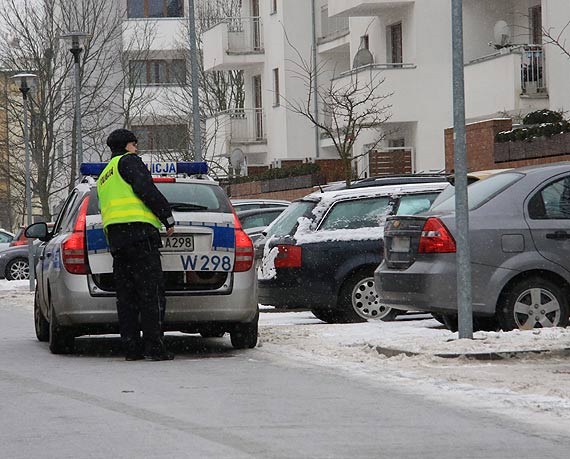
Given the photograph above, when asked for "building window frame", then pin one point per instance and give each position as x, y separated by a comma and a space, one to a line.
150, 74
143, 9
273, 6
396, 43
276, 87
152, 137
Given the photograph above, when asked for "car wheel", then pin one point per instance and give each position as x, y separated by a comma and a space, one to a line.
533, 302
357, 299
18, 269
40, 322
326, 315
61, 340
244, 335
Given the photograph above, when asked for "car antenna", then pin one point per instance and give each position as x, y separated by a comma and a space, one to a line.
319, 183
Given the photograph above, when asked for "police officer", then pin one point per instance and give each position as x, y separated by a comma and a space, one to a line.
133, 211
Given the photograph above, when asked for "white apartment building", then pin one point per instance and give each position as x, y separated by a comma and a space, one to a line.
154, 42
510, 69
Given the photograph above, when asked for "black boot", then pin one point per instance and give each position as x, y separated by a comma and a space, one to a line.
133, 350
156, 351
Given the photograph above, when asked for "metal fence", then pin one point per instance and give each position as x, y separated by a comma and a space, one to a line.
247, 125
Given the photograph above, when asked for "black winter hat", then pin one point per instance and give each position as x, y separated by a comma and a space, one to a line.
119, 138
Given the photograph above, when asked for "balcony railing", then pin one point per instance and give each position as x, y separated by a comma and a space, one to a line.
332, 27
532, 70
245, 35
246, 125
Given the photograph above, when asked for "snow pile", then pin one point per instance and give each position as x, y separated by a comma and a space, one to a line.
16, 295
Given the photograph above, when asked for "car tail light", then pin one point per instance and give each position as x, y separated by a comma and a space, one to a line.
73, 251
244, 248
436, 238
288, 256
19, 242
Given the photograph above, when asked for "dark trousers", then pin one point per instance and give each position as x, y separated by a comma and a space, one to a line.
140, 294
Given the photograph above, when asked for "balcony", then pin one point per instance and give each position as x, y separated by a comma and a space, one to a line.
509, 80
399, 80
158, 34
234, 43
238, 127
363, 7
334, 33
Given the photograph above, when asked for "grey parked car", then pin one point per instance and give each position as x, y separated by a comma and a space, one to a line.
254, 221
520, 244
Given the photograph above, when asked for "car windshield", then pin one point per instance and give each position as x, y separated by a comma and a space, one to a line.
356, 213
412, 204
480, 192
187, 197
286, 223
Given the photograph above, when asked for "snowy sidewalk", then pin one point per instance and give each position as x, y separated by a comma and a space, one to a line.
420, 335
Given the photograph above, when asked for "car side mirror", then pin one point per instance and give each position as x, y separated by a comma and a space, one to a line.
38, 230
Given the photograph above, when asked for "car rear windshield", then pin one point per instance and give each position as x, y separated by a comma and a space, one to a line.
286, 223
185, 197
482, 191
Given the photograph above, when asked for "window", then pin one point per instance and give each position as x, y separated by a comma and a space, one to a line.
412, 204
155, 8
276, 97
552, 202
287, 222
162, 137
535, 17
395, 43
158, 72
273, 6
356, 213
482, 191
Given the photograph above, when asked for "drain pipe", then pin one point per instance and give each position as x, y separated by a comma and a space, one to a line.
315, 77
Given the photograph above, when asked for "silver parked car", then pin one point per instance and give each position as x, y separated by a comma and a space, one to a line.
5, 238
520, 245
207, 263
240, 205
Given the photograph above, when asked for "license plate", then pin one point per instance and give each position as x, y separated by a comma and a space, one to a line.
178, 243
400, 244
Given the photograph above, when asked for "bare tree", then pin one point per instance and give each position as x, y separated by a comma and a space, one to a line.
350, 104
34, 44
219, 90
557, 39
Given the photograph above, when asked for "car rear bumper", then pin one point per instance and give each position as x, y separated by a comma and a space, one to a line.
75, 306
291, 294
424, 286
431, 285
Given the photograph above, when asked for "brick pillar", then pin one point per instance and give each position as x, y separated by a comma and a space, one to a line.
480, 144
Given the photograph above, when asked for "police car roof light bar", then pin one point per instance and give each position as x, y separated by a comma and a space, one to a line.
188, 168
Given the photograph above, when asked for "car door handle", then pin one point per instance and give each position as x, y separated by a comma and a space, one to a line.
558, 235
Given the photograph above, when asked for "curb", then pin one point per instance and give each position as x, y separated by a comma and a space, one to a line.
500, 355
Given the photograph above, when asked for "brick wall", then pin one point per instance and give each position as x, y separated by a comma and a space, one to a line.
331, 170
480, 144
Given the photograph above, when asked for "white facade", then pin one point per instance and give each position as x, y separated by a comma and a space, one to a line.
509, 68
154, 46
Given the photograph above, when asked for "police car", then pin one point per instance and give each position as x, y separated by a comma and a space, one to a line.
208, 264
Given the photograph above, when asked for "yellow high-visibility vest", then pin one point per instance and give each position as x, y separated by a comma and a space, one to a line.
118, 201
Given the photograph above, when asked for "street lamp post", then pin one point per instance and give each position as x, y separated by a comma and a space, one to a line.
23, 79
75, 38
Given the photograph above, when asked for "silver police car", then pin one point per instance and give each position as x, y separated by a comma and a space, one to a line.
208, 264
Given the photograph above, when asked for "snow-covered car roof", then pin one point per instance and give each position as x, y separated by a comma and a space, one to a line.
383, 190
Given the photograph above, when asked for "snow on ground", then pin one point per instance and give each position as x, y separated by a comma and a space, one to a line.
527, 385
